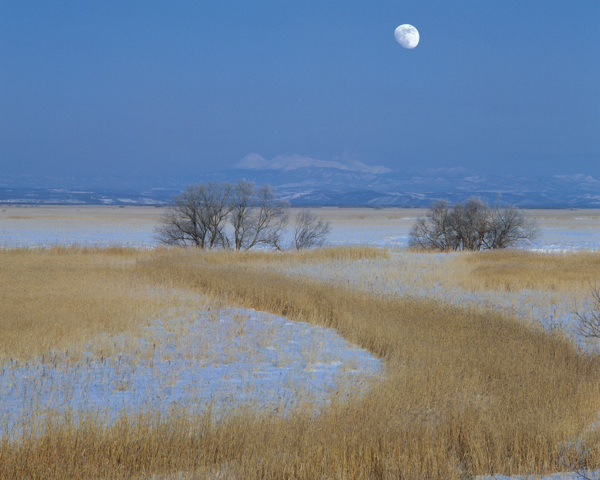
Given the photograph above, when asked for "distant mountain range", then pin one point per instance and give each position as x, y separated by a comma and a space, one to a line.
305, 181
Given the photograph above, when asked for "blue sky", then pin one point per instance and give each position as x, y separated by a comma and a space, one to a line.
497, 87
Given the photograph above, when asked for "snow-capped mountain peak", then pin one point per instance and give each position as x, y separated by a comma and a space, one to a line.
286, 163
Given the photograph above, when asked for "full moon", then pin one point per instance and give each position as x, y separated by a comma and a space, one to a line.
407, 36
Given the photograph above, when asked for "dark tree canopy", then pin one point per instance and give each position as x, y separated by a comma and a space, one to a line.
472, 225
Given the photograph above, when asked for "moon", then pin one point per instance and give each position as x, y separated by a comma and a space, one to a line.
407, 36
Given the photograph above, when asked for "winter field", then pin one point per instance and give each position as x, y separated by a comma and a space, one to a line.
119, 359
22, 225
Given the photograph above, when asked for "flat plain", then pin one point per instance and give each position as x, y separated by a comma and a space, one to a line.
123, 359
30, 225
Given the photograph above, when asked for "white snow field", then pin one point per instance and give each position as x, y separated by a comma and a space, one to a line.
32, 226
224, 358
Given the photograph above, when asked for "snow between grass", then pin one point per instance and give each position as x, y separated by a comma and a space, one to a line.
223, 358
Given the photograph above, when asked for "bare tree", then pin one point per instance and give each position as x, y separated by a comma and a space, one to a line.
507, 227
199, 217
270, 219
258, 217
241, 209
215, 203
184, 223
588, 323
309, 230
468, 224
472, 225
433, 232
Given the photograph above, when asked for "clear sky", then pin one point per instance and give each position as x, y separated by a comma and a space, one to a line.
498, 87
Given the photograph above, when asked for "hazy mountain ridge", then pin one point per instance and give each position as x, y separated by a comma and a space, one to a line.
314, 184
326, 186
286, 163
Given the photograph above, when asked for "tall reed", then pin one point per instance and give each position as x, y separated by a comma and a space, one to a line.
518, 270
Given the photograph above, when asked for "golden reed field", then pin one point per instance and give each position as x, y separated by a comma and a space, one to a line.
467, 388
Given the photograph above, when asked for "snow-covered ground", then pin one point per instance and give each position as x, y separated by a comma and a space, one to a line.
32, 226
223, 358
581, 475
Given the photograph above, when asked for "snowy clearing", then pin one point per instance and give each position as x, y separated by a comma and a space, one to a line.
223, 358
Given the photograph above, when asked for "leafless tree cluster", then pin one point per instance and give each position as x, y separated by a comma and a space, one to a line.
472, 225
239, 217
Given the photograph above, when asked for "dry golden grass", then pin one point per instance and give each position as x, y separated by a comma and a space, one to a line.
464, 392
61, 298
294, 257
539, 287
522, 270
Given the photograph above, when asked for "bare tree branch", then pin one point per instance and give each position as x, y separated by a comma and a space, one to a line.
197, 217
258, 217
574, 457
468, 224
183, 224
433, 232
507, 227
309, 230
588, 323
270, 219
242, 199
215, 205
